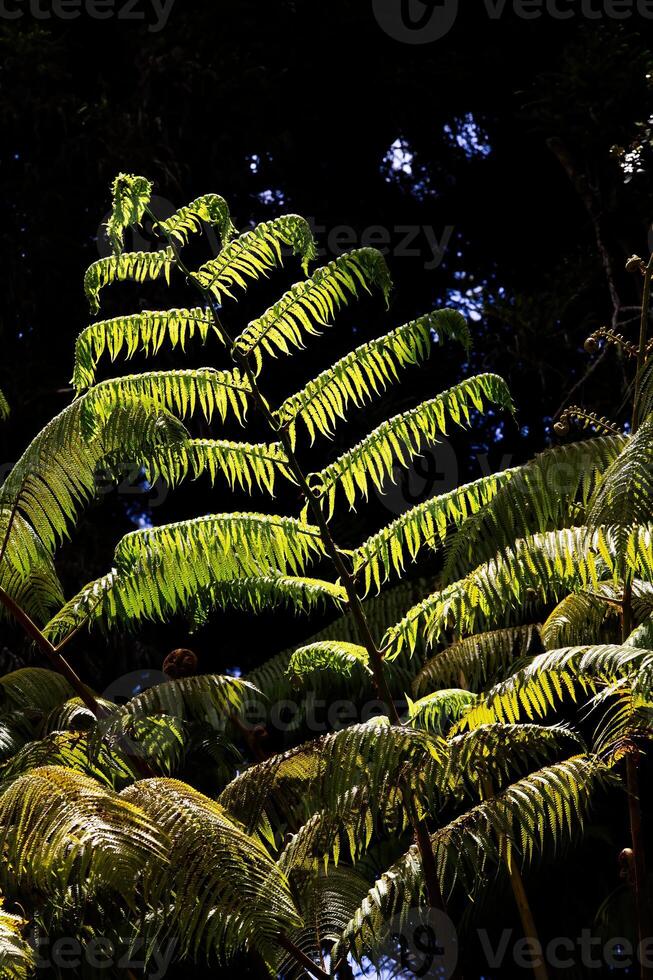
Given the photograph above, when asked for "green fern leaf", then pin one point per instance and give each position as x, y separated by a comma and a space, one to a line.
17, 960
255, 254
400, 439
210, 208
136, 266
367, 371
329, 655
4, 408
131, 195
242, 465
311, 305
146, 332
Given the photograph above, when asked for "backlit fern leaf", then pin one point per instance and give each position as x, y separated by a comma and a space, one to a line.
131, 195
400, 439
424, 525
311, 305
540, 567
367, 371
210, 209
146, 331
255, 254
121, 599
241, 464
550, 677
625, 493
329, 655
226, 891
182, 392
551, 490
17, 959
544, 809
436, 712
135, 266
4, 407
477, 659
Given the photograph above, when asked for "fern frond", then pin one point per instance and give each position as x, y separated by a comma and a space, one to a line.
436, 712
477, 659
4, 407
367, 371
425, 525
550, 677
210, 208
241, 464
57, 474
27, 572
550, 491
60, 828
400, 439
541, 567
33, 689
135, 266
131, 195
209, 698
126, 599
255, 254
228, 893
543, 809
582, 616
17, 960
181, 392
311, 305
329, 655
624, 495
146, 331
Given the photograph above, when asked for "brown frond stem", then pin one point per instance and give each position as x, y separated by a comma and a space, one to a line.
585, 418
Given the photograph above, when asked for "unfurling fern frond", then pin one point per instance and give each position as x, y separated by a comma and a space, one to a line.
329, 655
550, 491
436, 712
210, 208
240, 463
425, 525
538, 568
4, 407
542, 810
59, 828
477, 659
255, 254
131, 195
135, 266
367, 371
146, 331
17, 959
311, 305
227, 892
400, 439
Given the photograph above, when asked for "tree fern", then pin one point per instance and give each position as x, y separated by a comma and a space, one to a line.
401, 438
312, 304
146, 331
131, 194
255, 254
366, 372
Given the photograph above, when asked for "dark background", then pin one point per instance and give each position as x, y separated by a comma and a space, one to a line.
502, 132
